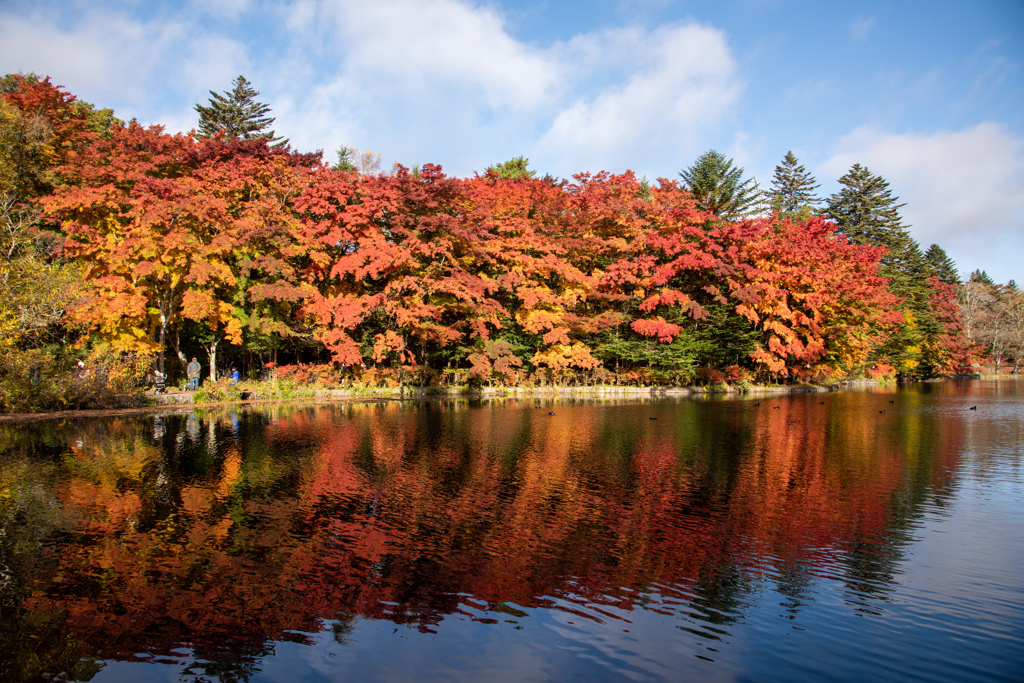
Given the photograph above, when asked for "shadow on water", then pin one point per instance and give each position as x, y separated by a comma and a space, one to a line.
206, 540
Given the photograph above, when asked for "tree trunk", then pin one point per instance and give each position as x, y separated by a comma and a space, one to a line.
177, 348
211, 351
163, 344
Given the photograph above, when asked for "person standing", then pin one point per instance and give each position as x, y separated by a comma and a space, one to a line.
194, 370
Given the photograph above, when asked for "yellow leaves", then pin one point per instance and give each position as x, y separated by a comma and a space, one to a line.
563, 356
9, 332
131, 339
232, 325
539, 320
911, 360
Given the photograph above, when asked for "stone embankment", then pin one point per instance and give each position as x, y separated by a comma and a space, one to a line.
564, 392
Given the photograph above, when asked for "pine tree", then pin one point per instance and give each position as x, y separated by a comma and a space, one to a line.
792, 190
867, 213
943, 267
718, 187
346, 159
238, 115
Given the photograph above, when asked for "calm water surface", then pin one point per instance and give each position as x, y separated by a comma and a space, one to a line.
807, 537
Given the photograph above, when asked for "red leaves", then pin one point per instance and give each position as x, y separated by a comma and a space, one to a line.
657, 327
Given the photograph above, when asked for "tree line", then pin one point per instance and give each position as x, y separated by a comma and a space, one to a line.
128, 248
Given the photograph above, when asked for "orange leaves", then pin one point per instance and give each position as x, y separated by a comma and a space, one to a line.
250, 240
497, 361
387, 343
818, 298
193, 229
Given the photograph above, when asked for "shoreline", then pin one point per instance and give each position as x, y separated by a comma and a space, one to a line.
182, 402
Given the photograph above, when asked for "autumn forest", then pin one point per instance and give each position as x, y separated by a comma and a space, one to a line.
129, 250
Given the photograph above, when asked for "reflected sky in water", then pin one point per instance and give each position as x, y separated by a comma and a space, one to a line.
848, 535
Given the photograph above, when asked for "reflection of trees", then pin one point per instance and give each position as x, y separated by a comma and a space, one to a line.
235, 531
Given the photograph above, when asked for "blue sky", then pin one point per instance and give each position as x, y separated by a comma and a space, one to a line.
929, 95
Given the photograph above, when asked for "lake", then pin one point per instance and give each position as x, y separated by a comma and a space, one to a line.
853, 535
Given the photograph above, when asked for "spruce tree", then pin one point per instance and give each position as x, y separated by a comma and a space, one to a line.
867, 213
792, 190
718, 187
942, 266
238, 115
346, 159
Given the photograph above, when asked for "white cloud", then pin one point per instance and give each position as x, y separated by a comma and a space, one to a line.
444, 81
963, 190
105, 54
679, 81
424, 44
440, 81
145, 67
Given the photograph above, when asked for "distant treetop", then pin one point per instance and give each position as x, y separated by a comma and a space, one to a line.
792, 191
719, 187
237, 114
513, 169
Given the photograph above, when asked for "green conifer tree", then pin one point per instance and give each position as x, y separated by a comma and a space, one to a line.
867, 213
982, 277
792, 191
346, 159
238, 115
942, 266
719, 187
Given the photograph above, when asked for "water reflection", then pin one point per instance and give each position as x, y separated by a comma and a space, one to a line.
207, 538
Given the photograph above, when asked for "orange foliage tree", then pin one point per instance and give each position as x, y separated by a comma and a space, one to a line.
168, 229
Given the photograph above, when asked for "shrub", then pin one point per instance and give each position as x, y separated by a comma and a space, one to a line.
710, 376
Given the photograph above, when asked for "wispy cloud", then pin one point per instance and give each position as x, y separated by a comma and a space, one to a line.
861, 28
